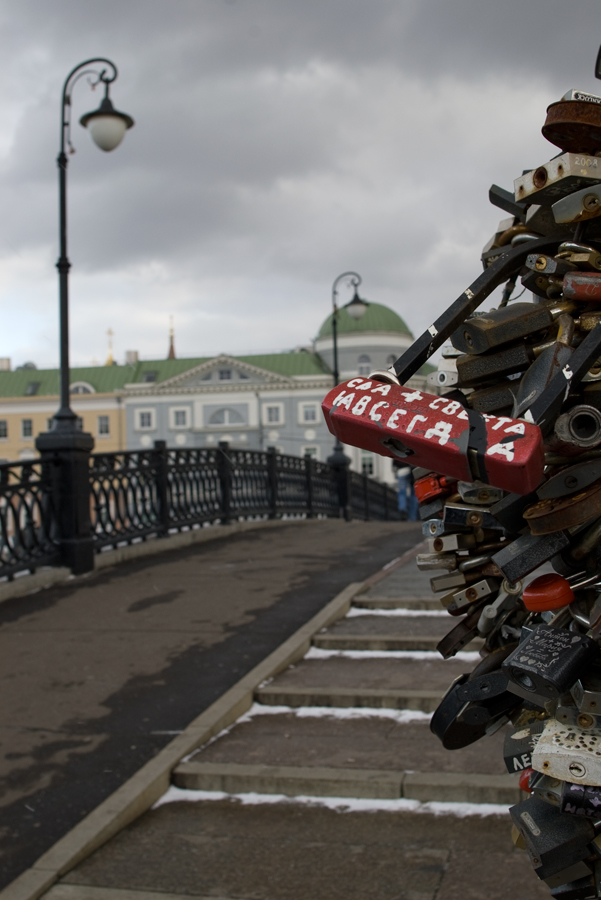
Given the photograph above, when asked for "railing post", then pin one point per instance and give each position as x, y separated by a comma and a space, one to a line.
225, 479
309, 484
66, 459
161, 462
272, 481
340, 464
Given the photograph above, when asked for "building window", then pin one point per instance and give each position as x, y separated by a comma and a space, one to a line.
103, 425
81, 387
145, 419
149, 377
226, 417
225, 374
367, 463
273, 415
311, 451
3, 429
364, 365
243, 376
26, 428
178, 418
32, 388
309, 413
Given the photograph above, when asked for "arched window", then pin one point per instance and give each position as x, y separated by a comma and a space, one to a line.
226, 416
81, 387
364, 364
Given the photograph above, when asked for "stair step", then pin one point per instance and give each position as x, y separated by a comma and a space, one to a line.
377, 602
321, 781
329, 641
274, 695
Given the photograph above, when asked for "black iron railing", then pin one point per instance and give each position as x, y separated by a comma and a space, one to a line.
139, 493
27, 522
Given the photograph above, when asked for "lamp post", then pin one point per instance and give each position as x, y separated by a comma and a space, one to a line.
356, 307
64, 450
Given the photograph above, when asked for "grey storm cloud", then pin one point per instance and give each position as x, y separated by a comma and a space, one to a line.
276, 144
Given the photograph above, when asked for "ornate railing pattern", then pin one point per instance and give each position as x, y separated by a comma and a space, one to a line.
27, 524
135, 494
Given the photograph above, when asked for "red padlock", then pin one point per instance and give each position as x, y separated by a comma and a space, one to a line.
547, 592
582, 286
431, 486
437, 434
524, 780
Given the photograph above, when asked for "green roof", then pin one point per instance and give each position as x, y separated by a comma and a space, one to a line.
375, 318
106, 379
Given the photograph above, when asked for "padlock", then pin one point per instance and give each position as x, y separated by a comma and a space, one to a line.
577, 429
518, 746
431, 486
527, 552
549, 265
524, 783
549, 661
506, 599
587, 259
464, 600
560, 176
497, 398
473, 370
501, 326
547, 592
431, 509
569, 753
465, 515
447, 582
578, 206
459, 636
570, 479
478, 494
427, 562
583, 286
587, 692
536, 283
548, 516
449, 542
542, 787
459, 722
430, 432
554, 841
581, 800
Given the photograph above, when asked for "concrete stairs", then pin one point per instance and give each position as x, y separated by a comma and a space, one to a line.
352, 718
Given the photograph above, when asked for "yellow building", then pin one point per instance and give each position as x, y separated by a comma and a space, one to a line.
29, 397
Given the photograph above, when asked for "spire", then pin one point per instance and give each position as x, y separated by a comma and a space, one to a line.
109, 361
171, 354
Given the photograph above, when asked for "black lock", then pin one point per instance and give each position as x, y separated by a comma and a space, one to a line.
549, 661
508, 511
581, 800
474, 369
538, 376
528, 552
554, 841
495, 398
500, 326
519, 744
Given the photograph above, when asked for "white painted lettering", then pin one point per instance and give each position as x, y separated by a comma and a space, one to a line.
344, 399
413, 422
451, 408
441, 430
506, 450
518, 428
463, 415
394, 417
383, 389
364, 387
361, 405
434, 404
414, 395
354, 382
500, 422
375, 416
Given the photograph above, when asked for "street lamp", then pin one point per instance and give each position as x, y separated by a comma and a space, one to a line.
356, 307
107, 127
65, 451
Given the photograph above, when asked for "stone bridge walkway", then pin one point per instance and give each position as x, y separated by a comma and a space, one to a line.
99, 673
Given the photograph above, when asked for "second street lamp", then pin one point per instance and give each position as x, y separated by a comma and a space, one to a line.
65, 450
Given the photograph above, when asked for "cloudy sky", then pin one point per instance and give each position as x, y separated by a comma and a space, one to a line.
277, 144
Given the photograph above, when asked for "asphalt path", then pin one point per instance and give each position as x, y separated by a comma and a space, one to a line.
99, 673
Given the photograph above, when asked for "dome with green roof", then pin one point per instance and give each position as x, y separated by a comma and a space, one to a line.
376, 318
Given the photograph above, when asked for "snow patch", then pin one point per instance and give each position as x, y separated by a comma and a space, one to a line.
319, 653
400, 716
339, 804
397, 611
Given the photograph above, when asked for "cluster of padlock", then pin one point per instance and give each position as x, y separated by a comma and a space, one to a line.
507, 468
